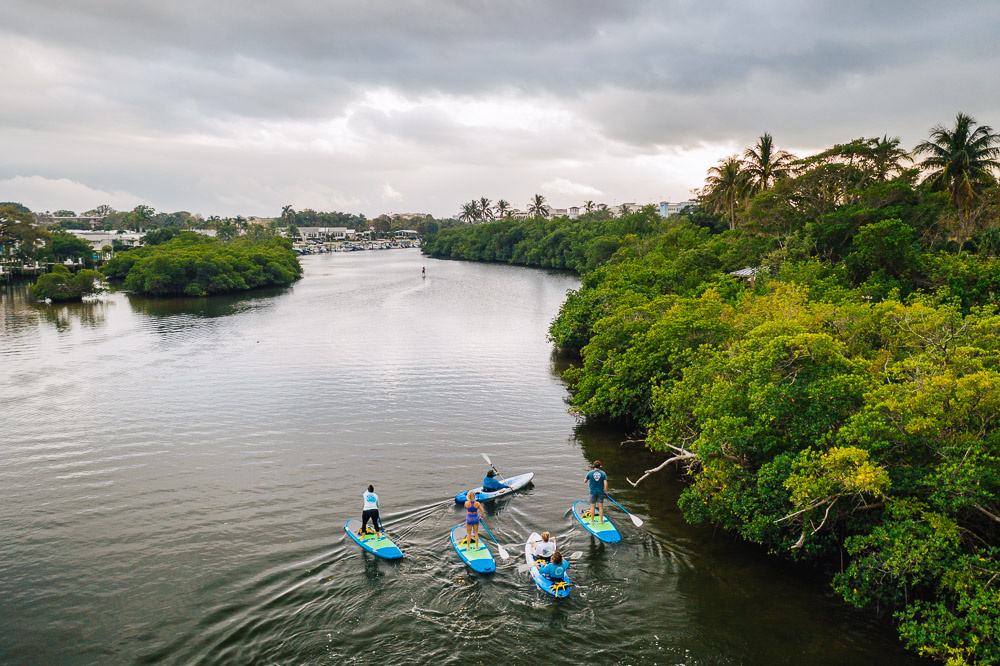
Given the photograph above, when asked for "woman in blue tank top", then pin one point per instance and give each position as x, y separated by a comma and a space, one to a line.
472, 509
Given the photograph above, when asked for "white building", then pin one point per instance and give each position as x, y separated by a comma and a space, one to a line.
323, 234
99, 239
667, 209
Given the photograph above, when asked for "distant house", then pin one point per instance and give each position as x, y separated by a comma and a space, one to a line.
98, 239
324, 234
407, 233
574, 212
666, 209
749, 274
558, 212
410, 216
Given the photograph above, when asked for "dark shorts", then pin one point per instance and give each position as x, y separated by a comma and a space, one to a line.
597, 499
472, 520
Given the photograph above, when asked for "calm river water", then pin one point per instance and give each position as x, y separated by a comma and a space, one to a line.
175, 477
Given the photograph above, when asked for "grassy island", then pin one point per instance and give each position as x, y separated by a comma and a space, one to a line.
817, 348
191, 264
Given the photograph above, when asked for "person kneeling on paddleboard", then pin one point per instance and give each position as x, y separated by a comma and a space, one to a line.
556, 569
370, 512
472, 511
598, 480
544, 549
490, 484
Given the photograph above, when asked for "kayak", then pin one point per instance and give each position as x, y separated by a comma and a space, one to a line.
515, 483
377, 545
478, 558
605, 531
557, 589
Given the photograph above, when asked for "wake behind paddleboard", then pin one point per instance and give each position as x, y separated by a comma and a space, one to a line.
605, 531
377, 545
478, 556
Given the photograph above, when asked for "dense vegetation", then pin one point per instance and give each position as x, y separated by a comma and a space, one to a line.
196, 265
61, 285
841, 406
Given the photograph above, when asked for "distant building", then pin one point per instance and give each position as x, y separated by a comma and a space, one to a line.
410, 216
99, 239
574, 212
407, 233
666, 209
323, 234
557, 212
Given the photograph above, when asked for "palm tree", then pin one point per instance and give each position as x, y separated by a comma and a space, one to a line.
764, 165
287, 211
537, 207
961, 161
887, 157
726, 186
624, 210
485, 210
470, 212
588, 206
502, 208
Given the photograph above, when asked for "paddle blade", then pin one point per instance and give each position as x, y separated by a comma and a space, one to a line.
523, 568
575, 555
637, 521
503, 552
487, 459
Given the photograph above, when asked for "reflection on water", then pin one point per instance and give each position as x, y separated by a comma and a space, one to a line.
177, 475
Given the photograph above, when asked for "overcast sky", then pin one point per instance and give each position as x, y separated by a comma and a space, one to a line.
238, 106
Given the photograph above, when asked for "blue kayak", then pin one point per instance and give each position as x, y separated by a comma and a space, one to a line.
514, 483
372, 542
478, 557
557, 588
605, 531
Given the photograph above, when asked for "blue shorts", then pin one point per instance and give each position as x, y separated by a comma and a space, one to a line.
472, 520
597, 499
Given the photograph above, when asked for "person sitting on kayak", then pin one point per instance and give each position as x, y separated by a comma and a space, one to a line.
556, 569
370, 512
598, 480
545, 548
472, 511
490, 484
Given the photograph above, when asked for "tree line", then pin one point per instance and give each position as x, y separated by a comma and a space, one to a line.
836, 399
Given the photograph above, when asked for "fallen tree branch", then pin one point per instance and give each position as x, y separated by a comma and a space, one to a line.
686, 455
987, 513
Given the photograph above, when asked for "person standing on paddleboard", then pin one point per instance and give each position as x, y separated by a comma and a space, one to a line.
472, 511
598, 481
370, 512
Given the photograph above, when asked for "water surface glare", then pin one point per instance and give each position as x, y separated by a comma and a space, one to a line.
175, 476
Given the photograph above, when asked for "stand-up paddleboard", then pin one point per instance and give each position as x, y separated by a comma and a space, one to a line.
515, 483
605, 531
556, 588
478, 557
372, 542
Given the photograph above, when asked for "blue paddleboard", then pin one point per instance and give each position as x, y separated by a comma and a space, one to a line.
605, 531
558, 588
479, 558
377, 545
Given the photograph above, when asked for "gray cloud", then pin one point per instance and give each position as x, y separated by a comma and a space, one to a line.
160, 98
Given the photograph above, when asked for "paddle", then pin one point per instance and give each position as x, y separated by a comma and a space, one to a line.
572, 556
635, 519
490, 463
503, 551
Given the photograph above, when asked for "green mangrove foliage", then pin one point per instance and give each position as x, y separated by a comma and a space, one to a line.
61, 285
819, 346
194, 265
578, 245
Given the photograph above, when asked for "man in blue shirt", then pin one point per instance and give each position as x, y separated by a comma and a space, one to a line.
490, 484
598, 481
